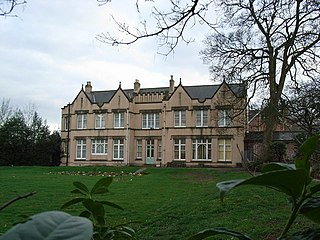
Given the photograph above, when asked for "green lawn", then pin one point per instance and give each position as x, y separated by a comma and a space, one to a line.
166, 203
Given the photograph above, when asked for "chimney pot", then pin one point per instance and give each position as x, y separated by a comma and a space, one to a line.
88, 87
136, 85
171, 85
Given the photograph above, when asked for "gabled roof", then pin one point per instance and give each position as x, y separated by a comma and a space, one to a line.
200, 92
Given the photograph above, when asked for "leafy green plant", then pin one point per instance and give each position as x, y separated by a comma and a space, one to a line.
295, 181
94, 209
54, 225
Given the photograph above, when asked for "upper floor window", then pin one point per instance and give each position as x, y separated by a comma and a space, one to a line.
99, 147
201, 149
201, 118
180, 118
224, 154
100, 120
150, 120
66, 123
224, 118
81, 149
119, 120
82, 121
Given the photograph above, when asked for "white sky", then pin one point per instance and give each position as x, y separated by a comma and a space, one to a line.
50, 51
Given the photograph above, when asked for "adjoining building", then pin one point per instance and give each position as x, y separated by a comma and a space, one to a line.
180, 125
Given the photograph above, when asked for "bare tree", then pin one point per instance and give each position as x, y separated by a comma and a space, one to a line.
7, 6
267, 43
304, 108
5, 110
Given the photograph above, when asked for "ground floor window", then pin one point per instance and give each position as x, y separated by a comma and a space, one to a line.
139, 149
180, 149
118, 149
224, 147
159, 149
99, 147
81, 149
201, 149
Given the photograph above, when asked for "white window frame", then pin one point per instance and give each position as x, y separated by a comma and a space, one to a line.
224, 118
82, 121
202, 118
118, 120
180, 118
180, 148
224, 146
139, 148
99, 147
100, 121
81, 150
66, 123
205, 144
159, 149
150, 120
118, 149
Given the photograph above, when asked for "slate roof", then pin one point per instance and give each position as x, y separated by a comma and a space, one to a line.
200, 92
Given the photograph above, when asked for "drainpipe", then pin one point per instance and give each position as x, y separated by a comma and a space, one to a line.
127, 138
68, 135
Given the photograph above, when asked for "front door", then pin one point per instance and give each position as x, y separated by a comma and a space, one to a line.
150, 152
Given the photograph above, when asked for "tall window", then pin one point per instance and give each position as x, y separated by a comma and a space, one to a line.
150, 120
99, 147
201, 149
66, 123
100, 120
180, 118
118, 149
224, 118
139, 149
179, 149
224, 154
118, 119
82, 121
81, 149
201, 118
159, 149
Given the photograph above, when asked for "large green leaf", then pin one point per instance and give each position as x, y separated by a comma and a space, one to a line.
53, 225
309, 146
315, 188
101, 186
217, 231
310, 234
81, 187
311, 209
72, 202
277, 166
111, 204
290, 182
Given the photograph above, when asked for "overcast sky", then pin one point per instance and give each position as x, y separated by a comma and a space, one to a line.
50, 50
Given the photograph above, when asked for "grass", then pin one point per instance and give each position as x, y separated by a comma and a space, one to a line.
166, 203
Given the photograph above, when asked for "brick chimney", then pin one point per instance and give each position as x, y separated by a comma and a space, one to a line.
88, 87
171, 85
136, 88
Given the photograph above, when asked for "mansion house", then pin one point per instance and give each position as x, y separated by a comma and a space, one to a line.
201, 125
